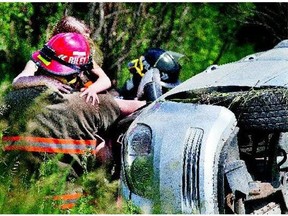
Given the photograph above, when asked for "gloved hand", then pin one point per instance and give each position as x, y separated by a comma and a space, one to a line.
150, 88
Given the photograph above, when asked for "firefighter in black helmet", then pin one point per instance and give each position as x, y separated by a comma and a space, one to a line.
165, 63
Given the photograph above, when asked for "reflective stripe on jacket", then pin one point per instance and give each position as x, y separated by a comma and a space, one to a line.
52, 145
68, 200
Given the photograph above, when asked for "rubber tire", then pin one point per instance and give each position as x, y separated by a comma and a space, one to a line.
262, 109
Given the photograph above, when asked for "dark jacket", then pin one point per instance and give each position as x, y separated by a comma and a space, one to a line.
41, 121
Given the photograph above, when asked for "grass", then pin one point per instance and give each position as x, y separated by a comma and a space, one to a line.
26, 192
20, 194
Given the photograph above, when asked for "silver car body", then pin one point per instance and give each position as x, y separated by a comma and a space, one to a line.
268, 68
186, 138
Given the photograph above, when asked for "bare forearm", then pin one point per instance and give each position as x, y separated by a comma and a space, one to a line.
102, 84
29, 81
129, 106
32, 81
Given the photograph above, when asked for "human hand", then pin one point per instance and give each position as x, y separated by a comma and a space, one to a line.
91, 95
40, 80
60, 86
151, 76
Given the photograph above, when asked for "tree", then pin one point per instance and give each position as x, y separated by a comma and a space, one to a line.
204, 32
267, 27
24, 29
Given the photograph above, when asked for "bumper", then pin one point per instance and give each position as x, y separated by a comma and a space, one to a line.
186, 144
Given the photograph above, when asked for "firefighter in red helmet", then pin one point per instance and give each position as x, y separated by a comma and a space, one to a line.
64, 54
44, 124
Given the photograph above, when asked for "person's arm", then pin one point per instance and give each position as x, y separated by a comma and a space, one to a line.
102, 83
129, 106
29, 70
27, 78
150, 88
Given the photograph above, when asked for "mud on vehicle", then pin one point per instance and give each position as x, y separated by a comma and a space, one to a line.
216, 144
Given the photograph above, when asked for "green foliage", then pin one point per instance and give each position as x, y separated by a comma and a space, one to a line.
21, 195
100, 193
17, 40
22, 192
131, 209
204, 32
16, 16
234, 53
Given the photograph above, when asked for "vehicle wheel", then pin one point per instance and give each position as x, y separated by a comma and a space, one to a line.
257, 109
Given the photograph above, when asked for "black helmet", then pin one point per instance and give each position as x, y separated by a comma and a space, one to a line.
166, 62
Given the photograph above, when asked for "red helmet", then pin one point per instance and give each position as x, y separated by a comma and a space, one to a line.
64, 54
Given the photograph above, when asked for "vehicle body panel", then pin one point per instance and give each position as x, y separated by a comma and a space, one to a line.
268, 68
173, 134
188, 139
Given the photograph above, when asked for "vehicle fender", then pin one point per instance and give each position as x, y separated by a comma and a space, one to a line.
187, 138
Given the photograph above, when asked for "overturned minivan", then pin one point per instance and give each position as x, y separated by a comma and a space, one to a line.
215, 144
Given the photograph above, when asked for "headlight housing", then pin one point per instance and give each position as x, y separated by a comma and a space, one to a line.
138, 160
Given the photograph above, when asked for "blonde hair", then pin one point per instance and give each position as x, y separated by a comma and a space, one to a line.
72, 24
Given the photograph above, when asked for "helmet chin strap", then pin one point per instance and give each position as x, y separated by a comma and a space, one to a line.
64, 80
137, 64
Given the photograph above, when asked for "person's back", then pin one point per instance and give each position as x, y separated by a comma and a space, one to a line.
41, 123
48, 113
43, 119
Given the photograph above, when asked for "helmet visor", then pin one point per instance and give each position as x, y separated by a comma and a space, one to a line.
175, 55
